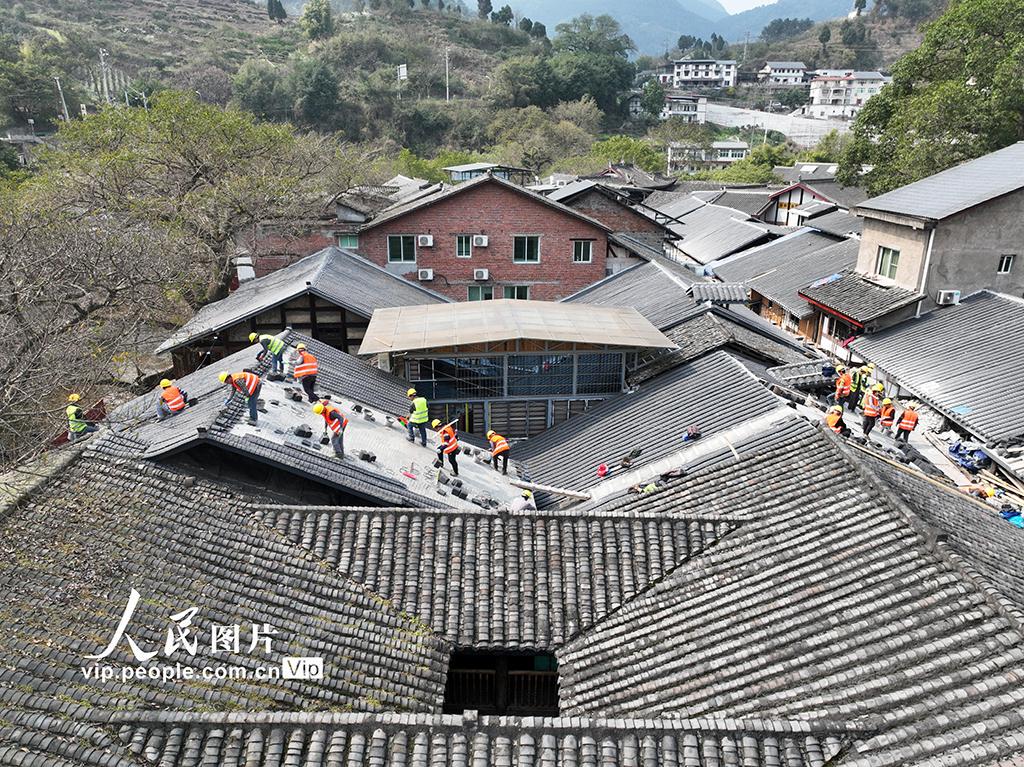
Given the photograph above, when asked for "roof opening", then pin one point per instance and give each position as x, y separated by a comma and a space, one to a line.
521, 684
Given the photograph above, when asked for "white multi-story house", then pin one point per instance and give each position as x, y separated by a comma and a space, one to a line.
688, 107
843, 95
689, 158
783, 73
703, 73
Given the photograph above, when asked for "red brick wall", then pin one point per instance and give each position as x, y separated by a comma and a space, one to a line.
615, 216
499, 213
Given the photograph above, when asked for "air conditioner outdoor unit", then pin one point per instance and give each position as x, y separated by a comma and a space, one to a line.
425, 240
480, 274
425, 275
479, 240
947, 297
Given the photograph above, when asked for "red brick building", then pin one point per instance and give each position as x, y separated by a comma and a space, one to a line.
611, 207
489, 238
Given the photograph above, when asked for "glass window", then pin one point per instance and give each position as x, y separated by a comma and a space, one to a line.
457, 377
536, 375
887, 263
401, 248
582, 251
521, 292
480, 293
599, 373
350, 241
526, 249
463, 245
1005, 264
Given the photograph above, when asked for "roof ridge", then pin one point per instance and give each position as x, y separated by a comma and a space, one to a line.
336, 251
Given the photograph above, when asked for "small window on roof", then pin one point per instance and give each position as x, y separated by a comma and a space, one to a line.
1005, 264
807, 169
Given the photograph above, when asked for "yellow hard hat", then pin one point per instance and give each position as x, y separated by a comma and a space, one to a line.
164, 383
886, 401
435, 423
866, 369
912, 406
74, 397
222, 376
490, 433
527, 494
836, 409
253, 337
410, 393
878, 387
318, 408
300, 346
840, 367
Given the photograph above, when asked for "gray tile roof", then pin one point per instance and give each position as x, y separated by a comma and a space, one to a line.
748, 201
852, 295
654, 289
780, 269
720, 292
713, 232
341, 277
714, 392
572, 189
804, 375
498, 580
839, 223
846, 196
962, 360
833, 600
956, 189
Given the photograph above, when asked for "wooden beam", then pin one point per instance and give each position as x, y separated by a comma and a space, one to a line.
549, 489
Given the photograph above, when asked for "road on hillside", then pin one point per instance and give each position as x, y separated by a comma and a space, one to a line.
803, 131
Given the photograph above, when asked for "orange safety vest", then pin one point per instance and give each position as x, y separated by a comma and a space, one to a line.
499, 445
835, 422
334, 424
908, 422
449, 441
871, 404
307, 367
173, 398
843, 384
245, 383
888, 415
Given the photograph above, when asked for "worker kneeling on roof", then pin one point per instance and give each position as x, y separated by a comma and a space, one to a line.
172, 400
418, 416
336, 422
834, 419
449, 445
524, 502
249, 385
273, 346
78, 427
499, 449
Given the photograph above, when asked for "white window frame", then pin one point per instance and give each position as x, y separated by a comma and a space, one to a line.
516, 288
884, 262
577, 256
526, 237
469, 240
481, 288
403, 259
1006, 263
354, 237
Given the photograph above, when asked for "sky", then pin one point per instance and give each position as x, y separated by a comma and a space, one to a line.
735, 6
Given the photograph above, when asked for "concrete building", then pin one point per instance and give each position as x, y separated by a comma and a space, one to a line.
698, 73
929, 243
783, 73
842, 96
459, 173
689, 158
688, 107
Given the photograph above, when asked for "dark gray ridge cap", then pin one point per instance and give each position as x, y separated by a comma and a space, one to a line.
21, 482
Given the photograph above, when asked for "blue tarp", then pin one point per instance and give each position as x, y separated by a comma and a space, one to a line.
969, 455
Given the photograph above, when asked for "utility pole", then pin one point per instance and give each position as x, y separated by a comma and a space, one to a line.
447, 91
103, 74
746, 42
63, 103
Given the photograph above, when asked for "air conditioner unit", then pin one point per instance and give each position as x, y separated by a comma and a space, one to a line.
425, 275
480, 274
947, 297
479, 240
425, 240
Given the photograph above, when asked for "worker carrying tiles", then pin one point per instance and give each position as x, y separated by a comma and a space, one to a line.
172, 400
335, 422
78, 427
273, 346
249, 385
449, 445
872, 404
834, 420
887, 414
860, 383
418, 416
843, 383
907, 423
305, 372
499, 449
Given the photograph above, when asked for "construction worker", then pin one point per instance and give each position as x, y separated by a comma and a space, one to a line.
872, 404
843, 383
524, 502
418, 416
336, 422
860, 382
78, 427
834, 419
499, 449
248, 385
449, 445
907, 423
172, 400
273, 346
887, 414
305, 372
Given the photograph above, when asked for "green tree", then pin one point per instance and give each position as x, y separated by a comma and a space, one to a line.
634, 151
503, 16
793, 97
525, 24
652, 98
599, 36
823, 37
947, 103
484, 8
757, 168
859, 6
259, 88
316, 20
829, 149
591, 58
276, 11
538, 30
315, 91
525, 80
782, 29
